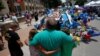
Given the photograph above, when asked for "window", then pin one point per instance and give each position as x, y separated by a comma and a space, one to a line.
18, 8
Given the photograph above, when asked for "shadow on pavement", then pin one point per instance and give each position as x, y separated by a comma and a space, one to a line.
94, 28
87, 42
94, 40
96, 34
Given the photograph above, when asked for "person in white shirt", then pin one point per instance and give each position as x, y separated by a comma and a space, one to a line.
15, 20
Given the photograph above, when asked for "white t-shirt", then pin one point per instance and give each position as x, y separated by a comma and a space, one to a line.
14, 18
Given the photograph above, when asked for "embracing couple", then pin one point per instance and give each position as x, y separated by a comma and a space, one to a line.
52, 42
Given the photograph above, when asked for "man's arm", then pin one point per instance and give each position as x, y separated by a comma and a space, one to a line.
7, 36
20, 43
34, 41
17, 38
47, 53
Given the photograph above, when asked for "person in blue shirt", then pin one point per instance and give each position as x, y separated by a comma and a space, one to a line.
75, 24
64, 18
84, 17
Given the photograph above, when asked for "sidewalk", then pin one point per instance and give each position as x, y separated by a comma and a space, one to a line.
23, 33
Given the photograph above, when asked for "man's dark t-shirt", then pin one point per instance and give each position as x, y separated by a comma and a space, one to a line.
13, 46
12, 39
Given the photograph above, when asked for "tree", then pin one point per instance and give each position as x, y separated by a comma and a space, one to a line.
80, 2
1, 6
51, 3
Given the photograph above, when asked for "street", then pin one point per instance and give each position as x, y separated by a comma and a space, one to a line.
90, 49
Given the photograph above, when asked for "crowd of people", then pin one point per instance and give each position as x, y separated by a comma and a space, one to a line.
26, 16
73, 23
58, 33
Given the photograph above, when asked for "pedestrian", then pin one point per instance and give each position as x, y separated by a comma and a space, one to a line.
1, 39
36, 16
84, 18
5, 16
51, 39
14, 43
1, 43
15, 20
33, 51
28, 18
42, 23
1, 34
2, 18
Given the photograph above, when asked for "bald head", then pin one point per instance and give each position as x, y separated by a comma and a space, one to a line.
51, 23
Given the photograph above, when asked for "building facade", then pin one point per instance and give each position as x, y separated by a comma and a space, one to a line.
23, 5
16, 5
20, 5
6, 8
33, 5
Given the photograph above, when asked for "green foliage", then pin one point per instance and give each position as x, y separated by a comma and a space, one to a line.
80, 2
1, 6
51, 3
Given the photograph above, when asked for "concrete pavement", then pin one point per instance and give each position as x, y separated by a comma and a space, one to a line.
91, 49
